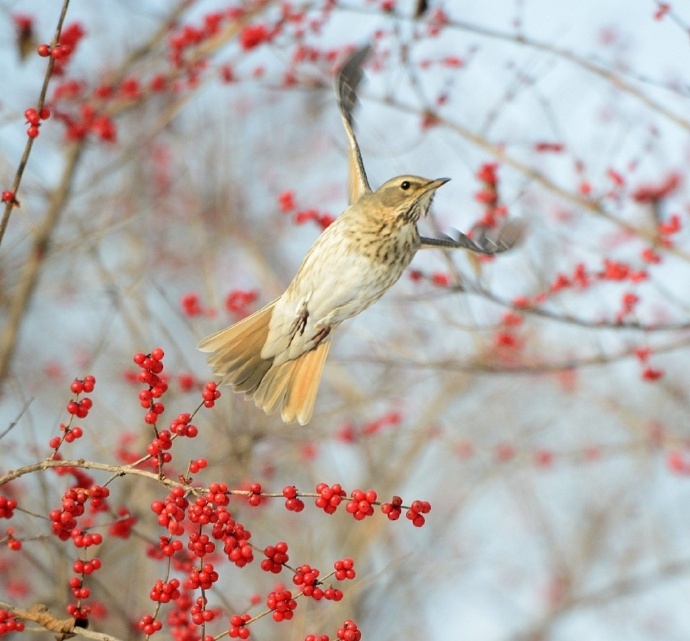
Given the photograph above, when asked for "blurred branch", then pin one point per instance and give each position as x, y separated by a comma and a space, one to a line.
464, 364
11, 426
524, 41
32, 267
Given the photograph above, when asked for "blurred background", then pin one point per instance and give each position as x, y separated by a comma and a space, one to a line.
538, 400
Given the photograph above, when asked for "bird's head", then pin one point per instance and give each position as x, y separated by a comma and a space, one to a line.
407, 197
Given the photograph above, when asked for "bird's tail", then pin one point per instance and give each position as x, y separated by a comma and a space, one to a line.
291, 386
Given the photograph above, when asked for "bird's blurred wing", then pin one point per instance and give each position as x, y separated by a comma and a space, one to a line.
346, 88
489, 240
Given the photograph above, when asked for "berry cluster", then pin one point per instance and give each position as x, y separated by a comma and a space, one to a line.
292, 503
416, 512
349, 631
344, 569
64, 519
152, 368
237, 302
7, 507
204, 578
58, 52
183, 427
329, 497
9, 623
276, 557
306, 578
78, 408
282, 604
361, 503
171, 511
238, 629
148, 625
13, 543
254, 499
33, 119
210, 394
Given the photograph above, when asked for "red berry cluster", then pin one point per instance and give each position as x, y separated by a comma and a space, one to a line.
393, 510
87, 120
152, 368
306, 578
210, 394
122, 528
255, 34
7, 507
82, 539
200, 614
198, 464
148, 625
330, 497
78, 408
286, 202
9, 623
86, 567
171, 511
81, 408
235, 541
282, 604
360, 504
349, 631
254, 499
416, 512
344, 569
292, 503
13, 543
167, 547
157, 447
238, 629
238, 301
78, 590
191, 306
276, 556
33, 119
200, 544
204, 578
64, 519
182, 426
58, 52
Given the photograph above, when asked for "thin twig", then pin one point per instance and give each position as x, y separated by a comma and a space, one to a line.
9, 206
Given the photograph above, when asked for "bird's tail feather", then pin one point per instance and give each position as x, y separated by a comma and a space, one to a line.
304, 384
291, 386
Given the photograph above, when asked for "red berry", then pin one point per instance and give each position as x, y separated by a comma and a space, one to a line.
43, 50
8, 196
157, 354
32, 117
32, 131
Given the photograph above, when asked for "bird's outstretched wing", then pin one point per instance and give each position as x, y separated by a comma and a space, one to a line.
346, 88
489, 240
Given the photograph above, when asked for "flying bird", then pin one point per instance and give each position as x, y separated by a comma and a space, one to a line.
276, 355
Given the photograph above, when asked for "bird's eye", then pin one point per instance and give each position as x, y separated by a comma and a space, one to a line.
405, 184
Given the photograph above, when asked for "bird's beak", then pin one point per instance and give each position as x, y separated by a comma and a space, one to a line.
435, 184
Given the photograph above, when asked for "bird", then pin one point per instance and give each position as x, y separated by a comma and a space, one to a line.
276, 355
